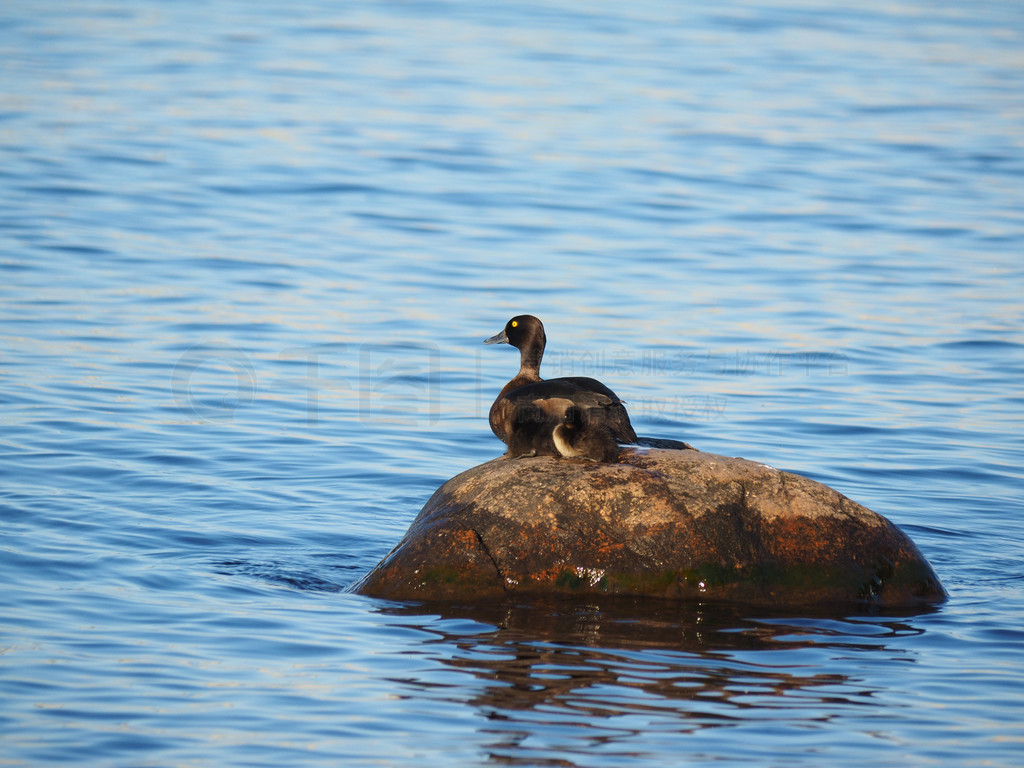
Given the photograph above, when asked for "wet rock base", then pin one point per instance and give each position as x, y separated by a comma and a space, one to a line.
658, 522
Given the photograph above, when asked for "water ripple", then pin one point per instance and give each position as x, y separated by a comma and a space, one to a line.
248, 265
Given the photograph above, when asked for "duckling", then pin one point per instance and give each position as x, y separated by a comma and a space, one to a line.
511, 411
574, 438
533, 420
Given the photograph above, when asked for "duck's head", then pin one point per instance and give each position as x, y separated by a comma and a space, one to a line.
523, 332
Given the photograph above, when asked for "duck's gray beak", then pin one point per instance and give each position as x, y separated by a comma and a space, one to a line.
498, 338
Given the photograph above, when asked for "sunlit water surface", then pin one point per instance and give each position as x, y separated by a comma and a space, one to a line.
248, 253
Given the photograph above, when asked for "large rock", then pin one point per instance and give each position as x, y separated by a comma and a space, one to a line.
678, 524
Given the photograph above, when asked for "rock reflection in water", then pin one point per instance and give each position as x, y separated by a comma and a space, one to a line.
613, 674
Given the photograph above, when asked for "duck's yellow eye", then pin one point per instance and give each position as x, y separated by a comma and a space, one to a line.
515, 323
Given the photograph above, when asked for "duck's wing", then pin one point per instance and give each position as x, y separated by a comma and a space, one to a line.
591, 385
563, 389
615, 416
618, 424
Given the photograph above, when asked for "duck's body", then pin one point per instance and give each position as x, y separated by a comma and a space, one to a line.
522, 418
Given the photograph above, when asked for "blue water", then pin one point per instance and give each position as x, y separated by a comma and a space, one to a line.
248, 252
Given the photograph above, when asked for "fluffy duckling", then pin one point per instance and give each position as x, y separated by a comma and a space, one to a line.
574, 438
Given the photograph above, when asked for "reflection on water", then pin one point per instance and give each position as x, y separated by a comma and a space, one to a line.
615, 672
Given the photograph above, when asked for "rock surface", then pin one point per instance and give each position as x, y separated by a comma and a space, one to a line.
659, 522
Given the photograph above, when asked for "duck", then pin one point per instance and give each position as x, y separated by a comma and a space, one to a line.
522, 416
